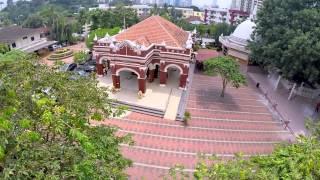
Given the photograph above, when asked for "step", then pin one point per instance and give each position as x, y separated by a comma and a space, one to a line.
240, 125
226, 100
231, 115
222, 107
203, 134
140, 109
211, 123
193, 146
159, 158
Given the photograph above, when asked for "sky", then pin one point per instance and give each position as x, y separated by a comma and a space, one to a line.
200, 3
221, 3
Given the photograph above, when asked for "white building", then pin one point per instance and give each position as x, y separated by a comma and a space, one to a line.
235, 45
25, 39
142, 10
186, 12
216, 15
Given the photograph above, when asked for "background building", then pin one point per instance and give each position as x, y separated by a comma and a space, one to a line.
25, 39
216, 15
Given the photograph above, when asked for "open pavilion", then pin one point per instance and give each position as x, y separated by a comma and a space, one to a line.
147, 49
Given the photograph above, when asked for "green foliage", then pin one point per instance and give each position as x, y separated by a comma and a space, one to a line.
80, 57
299, 160
113, 17
186, 117
287, 37
228, 69
4, 48
45, 124
34, 21
100, 34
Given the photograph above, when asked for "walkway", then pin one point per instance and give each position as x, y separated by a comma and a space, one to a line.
240, 122
295, 110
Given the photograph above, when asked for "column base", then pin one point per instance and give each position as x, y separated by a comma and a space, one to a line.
162, 85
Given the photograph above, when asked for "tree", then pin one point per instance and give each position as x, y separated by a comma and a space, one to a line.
80, 57
45, 124
287, 37
34, 21
4, 48
299, 160
113, 17
228, 69
10, 3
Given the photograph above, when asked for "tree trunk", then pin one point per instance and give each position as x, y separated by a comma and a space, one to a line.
224, 85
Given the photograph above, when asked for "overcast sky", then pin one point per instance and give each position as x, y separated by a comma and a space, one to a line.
221, 3
200, 3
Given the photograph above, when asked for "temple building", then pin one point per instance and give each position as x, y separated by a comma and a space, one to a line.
147, 49
235, 45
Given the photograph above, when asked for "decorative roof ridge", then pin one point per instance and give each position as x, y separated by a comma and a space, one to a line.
174, 39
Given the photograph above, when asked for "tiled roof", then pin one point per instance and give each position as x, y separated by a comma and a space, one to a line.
155, 29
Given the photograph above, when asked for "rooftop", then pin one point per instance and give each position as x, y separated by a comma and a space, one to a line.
157, 30
12, 33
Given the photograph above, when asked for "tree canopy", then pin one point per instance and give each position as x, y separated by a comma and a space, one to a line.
45, 124
228, 69
112, 18
287, 37
296, 161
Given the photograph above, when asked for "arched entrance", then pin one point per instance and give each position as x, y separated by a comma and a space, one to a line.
103, 66
174, 73
131, 79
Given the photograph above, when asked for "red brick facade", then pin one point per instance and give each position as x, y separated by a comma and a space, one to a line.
148, 58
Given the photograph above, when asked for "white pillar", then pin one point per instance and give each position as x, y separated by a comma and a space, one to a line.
277, 83
292, 91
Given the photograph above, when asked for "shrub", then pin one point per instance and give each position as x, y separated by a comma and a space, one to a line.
80, 57
186, 117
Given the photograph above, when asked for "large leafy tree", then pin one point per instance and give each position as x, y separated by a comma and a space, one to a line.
287, 37
228, 69
113, 17
34, 21
45, 130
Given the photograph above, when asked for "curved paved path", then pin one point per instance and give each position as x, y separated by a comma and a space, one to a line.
239, 122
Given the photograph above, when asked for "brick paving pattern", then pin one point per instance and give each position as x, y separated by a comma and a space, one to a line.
239, 122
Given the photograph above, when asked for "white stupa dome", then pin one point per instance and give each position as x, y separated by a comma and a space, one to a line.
242, 34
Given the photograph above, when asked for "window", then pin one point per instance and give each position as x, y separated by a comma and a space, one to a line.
24, 38
32, 38
13, 45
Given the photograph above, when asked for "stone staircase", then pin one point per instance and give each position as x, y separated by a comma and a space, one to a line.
140, 109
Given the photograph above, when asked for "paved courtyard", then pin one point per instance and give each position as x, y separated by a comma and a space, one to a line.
75, 48
156, 97
240, 122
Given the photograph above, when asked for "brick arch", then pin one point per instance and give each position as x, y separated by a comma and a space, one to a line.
173, 65
128, 69
103, 58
